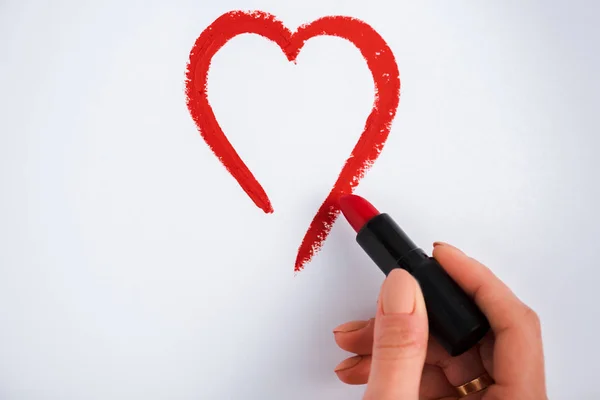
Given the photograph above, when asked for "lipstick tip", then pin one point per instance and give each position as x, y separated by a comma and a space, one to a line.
357, 210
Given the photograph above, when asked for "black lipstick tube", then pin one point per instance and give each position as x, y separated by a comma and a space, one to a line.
454, 319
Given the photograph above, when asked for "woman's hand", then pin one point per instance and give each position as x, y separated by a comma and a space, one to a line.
397, 360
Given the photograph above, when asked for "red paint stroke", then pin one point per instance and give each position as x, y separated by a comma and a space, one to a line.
386, 77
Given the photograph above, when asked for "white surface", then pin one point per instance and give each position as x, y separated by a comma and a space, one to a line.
115, 281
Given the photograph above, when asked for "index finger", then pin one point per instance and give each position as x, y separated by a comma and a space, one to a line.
500, 305
518, 357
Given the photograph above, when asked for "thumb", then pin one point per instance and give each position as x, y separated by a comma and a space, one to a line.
400, 340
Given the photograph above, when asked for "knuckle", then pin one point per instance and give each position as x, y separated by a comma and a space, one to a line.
532, 318
399, 340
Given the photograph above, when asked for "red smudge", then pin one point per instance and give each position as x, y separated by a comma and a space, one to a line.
386, 77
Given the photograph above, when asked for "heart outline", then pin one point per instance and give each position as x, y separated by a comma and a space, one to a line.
386, 77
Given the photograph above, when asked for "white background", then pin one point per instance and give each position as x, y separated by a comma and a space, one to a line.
132, 266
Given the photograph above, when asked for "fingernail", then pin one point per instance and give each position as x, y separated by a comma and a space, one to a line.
348, 363
449, 246
351, 326
398, 294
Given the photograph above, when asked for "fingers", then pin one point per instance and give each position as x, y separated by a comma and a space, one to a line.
356, 336
486, 352
518, 359
458, 370
354, 370
434, 385
502, 308
400, 340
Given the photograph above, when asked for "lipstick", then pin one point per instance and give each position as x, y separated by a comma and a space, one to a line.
454, 318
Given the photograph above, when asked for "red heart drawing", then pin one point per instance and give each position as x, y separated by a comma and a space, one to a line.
386, 78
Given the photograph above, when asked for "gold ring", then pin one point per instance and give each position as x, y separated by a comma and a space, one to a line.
474, 386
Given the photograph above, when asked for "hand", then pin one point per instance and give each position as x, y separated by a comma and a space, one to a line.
397, 360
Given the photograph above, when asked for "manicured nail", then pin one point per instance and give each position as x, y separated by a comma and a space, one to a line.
398, 294
348, 363
449, 246
351, 326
